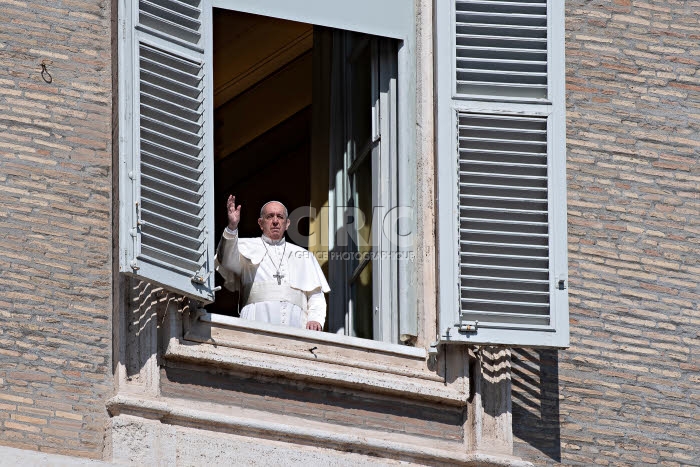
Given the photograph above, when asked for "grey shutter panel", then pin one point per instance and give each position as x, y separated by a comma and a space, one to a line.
501, 158
501, 48
504, 260
166, 197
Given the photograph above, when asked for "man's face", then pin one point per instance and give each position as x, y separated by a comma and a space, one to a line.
273, 222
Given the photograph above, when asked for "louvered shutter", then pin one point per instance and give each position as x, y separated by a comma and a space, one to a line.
501, 165
501, 48
166, 182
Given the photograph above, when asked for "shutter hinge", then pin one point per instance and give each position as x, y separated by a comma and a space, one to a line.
433, 350
201, 279
561, 285
139, 221
468, 326
198, 278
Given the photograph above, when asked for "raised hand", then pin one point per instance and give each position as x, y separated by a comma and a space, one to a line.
234, 212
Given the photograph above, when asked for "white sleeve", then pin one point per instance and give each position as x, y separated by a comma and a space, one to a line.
316, 306
228, 261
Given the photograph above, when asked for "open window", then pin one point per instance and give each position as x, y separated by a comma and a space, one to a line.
281, 100
502, 156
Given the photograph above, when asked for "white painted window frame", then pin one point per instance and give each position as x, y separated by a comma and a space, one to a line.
382, 154
391, 18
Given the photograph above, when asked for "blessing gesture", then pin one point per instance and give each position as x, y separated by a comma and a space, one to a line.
234, 212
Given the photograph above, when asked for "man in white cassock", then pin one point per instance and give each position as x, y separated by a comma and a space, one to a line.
280, 283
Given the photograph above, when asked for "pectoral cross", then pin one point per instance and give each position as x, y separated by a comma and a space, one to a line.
279, 277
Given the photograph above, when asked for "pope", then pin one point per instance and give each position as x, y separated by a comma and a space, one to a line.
280, 283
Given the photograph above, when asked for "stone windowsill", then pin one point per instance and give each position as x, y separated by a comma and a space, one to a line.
323, 358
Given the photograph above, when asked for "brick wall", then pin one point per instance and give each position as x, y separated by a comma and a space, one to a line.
626, 392
55, 239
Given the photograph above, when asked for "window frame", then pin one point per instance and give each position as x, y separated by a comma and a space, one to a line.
198, 285
380, 152
398, 22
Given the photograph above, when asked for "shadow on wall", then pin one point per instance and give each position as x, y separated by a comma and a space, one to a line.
535, 399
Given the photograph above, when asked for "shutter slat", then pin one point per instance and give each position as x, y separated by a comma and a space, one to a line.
503, 175
171, 223
517, 234
504, 279
485, 289
512, 318
192, 171
502, 269
155, 255
512, 187
169, 107
164, 151
190, 206
500, 302
503, 140
503, 210
160, 209
527, 43
173, 73
502, 198
174, 86
155, 171
476, 219
513, 291
502, 245
492, 152
177, 240
500, 256
174, 120
504, 164
506, 6
177, 249
176, 132
189, 103
160, 138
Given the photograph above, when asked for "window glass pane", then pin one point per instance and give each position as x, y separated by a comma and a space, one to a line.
361, 96
361, 103
362, 303
363, 196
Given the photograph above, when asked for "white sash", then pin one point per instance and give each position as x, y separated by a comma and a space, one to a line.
270, 291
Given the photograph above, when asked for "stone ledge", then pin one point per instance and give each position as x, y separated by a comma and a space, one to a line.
317, 372
171, 413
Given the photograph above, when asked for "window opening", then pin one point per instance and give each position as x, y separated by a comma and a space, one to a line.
298, 118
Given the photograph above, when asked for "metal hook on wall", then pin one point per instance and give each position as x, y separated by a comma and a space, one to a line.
45, 75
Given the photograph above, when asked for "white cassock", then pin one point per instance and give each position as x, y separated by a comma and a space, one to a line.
280, 283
